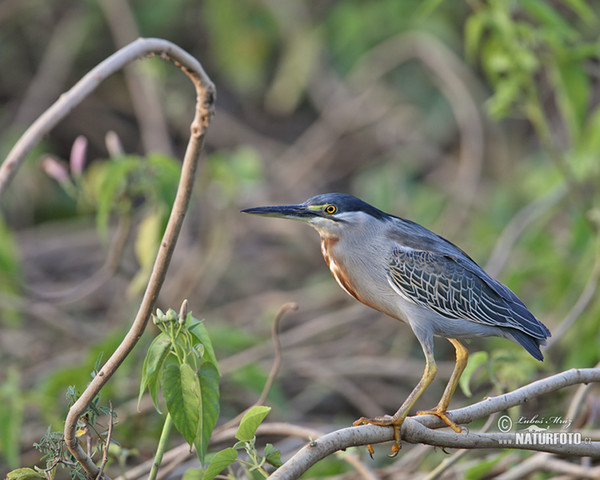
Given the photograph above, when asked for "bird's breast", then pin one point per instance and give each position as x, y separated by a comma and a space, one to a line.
366, 283
337, 268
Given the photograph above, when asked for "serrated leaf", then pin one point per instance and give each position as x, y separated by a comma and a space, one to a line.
208, 376
250, 422
220, 462
197, 329
181, 390
157, 353
475, 360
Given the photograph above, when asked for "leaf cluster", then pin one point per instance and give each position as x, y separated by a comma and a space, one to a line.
181, 364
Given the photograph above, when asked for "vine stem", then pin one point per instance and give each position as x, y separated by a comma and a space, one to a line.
162, 446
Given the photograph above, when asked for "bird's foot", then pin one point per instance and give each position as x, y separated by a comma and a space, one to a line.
438, 412
385, 421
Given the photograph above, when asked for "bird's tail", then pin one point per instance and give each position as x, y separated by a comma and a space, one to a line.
529, 343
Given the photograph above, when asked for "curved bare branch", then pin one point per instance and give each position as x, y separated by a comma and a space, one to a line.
204, 111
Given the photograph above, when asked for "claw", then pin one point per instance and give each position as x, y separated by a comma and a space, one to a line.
385, 421
442, 415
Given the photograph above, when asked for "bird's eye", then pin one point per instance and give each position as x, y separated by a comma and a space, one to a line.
330, 209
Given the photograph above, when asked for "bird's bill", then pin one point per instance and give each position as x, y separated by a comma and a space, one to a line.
293, 212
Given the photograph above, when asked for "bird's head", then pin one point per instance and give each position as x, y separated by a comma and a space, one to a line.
331, 214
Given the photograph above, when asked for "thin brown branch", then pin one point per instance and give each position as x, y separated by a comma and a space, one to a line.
448, 462
149, 113
205, 91
107, 444
277, 351
583, 302
100, 277
274, 369
518, 225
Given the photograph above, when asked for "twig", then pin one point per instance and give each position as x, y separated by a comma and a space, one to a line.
455, 457
62, 47
274, 369
544, 461
577, 400
518, 225
583, 302
107, 444
419, 429
100, 277
205, 91
143, 90
277, 347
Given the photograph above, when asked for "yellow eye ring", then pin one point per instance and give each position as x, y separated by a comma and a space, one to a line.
330, 209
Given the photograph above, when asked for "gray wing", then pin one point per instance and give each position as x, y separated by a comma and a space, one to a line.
457, 288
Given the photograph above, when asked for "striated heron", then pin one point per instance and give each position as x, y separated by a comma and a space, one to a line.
409, 273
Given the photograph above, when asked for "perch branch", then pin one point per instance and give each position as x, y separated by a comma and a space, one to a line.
204, 111
420, 429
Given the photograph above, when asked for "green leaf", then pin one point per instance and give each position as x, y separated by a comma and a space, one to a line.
590, 140
10, 275
220, 462
157, 353
473, 33
113, 183
148, 238
475, 360
181, 389
250, 422
197, 329
146, 245
11, 417
573, 91
193, 474
208, 375
24, 474
166, 172
549, 18
273, 456
583, 10
482, 468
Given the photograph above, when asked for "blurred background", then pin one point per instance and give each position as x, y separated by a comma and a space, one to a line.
477, 119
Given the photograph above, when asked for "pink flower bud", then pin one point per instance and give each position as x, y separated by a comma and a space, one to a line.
55, 169
78, 151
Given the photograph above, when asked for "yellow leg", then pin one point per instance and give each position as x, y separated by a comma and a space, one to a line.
398, 418
462, 355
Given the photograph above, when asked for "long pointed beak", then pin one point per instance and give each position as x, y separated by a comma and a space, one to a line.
293, 212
